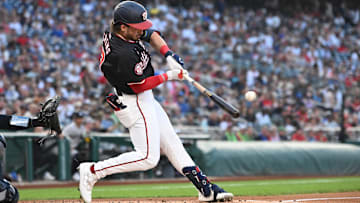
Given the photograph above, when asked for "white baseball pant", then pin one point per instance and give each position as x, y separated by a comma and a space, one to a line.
150, 131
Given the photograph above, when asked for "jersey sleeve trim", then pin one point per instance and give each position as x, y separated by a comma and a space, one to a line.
149, 83
147, 34
137, 83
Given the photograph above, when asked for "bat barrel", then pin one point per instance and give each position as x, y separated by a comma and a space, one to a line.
234, 112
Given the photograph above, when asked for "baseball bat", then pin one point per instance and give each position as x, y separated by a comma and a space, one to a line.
234, 112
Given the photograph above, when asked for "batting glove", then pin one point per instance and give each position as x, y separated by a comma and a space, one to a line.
174, 61
114, 102
177, 74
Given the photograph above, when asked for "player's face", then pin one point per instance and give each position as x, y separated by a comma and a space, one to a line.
79, 121
133, 33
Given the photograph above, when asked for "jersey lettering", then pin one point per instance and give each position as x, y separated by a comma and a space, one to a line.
140, 66
102, 57
126, 63
105, 48
106, 43
142, 45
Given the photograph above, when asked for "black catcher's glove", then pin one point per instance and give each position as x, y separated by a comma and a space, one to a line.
49, 117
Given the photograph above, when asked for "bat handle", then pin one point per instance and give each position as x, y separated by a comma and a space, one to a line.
188, 78
197, 85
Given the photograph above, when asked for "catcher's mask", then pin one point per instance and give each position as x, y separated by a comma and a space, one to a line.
132, 14
8, 193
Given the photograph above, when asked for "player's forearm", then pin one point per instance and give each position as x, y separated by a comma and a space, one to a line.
174, 60
154, 81
13, 122
148, 83
158, 43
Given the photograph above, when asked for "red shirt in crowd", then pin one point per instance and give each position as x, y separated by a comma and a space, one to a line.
298, 136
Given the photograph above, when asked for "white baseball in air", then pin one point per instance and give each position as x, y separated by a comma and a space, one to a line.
250, 95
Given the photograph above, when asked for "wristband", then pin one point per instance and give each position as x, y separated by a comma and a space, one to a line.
168, 53
165, 77
164, 49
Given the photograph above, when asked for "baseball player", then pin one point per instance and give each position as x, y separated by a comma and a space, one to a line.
126, 64
47, 118
8, 192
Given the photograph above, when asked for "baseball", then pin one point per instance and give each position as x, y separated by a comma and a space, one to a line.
250, 95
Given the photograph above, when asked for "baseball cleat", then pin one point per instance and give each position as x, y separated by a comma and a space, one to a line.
217, 195
224, 197
87, 181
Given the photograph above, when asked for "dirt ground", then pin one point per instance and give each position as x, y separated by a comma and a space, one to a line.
320, 198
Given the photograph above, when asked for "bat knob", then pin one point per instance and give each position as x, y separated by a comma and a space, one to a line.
236, 114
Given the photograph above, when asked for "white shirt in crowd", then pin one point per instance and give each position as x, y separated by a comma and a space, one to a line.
74, 134
251, 76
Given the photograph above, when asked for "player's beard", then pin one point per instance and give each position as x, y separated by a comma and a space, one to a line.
133, 37
133, 33
137, 37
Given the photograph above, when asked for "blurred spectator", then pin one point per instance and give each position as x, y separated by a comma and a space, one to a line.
298, 62
263, 134
75, 133
230, 135
273, 134
298, 135
263, 117
282, 134
245, 133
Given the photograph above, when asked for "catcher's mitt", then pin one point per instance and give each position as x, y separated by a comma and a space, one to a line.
49, 117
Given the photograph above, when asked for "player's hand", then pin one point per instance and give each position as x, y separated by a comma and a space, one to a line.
177, 74
114, 102
174, 61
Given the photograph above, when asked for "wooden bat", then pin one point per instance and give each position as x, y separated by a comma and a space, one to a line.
234, 112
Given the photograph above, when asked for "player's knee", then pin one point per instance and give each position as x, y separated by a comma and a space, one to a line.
151, 161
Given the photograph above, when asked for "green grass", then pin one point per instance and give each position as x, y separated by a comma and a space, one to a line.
239, 188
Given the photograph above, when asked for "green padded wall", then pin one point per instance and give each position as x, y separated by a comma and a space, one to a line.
221, 158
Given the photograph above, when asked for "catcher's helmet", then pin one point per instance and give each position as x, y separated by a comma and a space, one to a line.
8, 193
133, 14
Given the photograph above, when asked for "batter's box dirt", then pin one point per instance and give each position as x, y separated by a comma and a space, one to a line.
317, 198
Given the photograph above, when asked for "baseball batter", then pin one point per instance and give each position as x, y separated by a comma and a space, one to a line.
126, 64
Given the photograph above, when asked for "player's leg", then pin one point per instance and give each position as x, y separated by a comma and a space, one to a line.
14, 122
173, 148
144, 135
143, 126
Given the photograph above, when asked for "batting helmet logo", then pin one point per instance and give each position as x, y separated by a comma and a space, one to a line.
144, 16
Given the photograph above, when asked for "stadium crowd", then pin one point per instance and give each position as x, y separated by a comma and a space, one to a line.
301, 59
